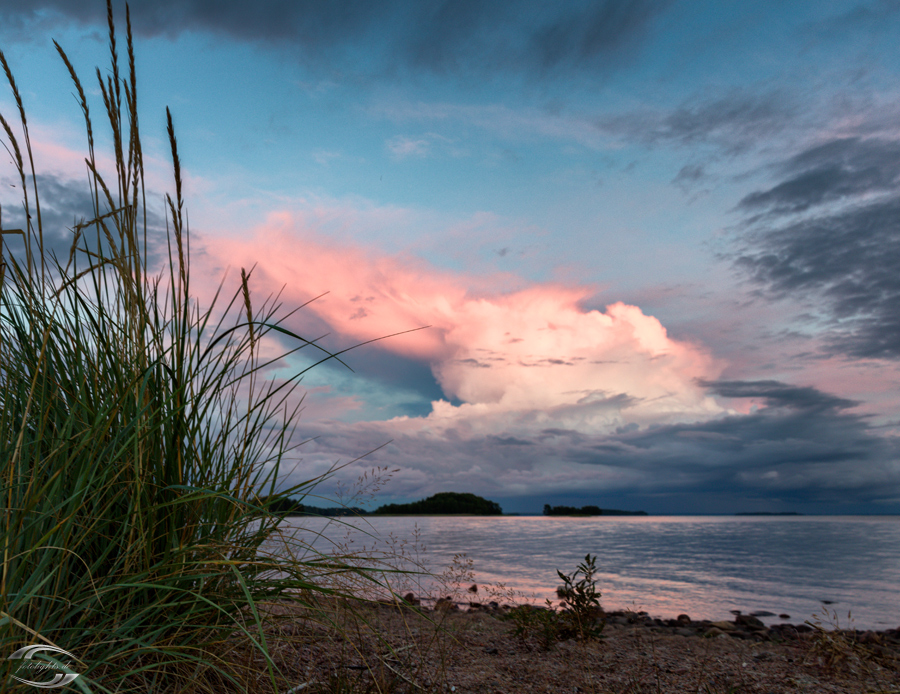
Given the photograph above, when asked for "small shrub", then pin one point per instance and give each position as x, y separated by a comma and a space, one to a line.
580, 616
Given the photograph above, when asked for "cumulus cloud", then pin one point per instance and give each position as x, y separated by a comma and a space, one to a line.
544, 401
513, 361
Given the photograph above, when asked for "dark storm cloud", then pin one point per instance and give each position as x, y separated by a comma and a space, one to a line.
64, 203
397, 372
442, 35
803, 449
831, 172
733, 122
844, 258
599, 29
803, 442
446, 34
777, 394
800, 429
313, 23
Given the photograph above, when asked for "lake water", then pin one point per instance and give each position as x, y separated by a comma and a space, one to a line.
704, 566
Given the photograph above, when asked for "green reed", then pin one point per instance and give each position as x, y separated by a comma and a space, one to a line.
140, 448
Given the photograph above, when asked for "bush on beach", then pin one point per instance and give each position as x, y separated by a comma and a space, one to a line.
140, 446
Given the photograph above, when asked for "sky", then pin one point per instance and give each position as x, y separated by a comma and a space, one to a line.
648, 250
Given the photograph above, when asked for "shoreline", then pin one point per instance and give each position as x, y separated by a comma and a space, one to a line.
742, 626
478, 650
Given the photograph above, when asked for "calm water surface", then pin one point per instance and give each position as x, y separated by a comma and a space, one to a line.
705, 566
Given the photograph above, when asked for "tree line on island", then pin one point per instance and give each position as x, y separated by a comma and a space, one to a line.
444, 503
588, 511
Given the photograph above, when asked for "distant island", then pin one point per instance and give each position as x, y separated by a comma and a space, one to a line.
294, 507
442, 504
587, 511
445, 503
769, 513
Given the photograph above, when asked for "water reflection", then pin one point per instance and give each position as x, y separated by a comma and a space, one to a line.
705, 566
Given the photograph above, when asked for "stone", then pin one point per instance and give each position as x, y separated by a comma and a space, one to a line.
724, 626
713, 632
747, 620
683, 618
789, 632
869, 637
411, 599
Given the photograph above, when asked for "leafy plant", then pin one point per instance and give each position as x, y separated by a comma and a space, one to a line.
578, 618
581, 613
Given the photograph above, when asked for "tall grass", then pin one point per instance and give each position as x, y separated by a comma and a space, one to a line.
137, 439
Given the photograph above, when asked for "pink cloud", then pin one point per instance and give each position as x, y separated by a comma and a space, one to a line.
517, 360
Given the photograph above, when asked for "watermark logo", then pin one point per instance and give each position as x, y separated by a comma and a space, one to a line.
45, 674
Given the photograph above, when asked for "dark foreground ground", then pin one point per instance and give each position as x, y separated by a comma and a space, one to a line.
390, 648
